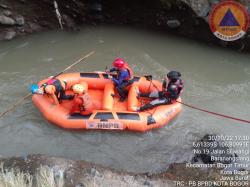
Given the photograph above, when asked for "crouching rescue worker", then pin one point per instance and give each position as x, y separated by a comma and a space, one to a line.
56, 88
124, 77
172, 87
82, 102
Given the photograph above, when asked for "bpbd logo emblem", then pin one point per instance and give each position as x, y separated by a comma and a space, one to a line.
229, 20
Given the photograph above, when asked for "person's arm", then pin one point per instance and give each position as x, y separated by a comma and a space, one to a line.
112, 70
181, 87
123, 75
164, 84
56, 102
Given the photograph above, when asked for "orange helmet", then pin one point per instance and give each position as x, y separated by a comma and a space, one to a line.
50, 89
78, 89
119, 63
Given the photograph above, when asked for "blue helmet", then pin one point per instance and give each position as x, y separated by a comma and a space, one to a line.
34, 88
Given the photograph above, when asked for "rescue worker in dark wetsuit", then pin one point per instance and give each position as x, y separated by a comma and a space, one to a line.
172, 87
123, 79
56, 88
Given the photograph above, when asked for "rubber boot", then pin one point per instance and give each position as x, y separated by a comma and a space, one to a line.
123, 94
122, 99
143, 95
146, 107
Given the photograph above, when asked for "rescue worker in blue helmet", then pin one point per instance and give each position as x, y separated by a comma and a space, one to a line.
172, 88
55, 88
123, 78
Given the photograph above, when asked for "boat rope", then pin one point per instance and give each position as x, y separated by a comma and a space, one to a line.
214, 113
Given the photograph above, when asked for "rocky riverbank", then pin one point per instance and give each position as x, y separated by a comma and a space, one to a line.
70, 173
181, 17
19, 18
202, 170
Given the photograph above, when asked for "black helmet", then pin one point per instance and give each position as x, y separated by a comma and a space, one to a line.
173, 87
174, 75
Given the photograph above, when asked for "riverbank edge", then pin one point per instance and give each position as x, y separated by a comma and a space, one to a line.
185, 18
82, 173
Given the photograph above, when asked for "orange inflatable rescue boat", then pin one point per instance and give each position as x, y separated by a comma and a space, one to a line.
109, 113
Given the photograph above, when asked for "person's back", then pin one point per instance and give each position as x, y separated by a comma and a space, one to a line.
59, 88
82, 102
124, 77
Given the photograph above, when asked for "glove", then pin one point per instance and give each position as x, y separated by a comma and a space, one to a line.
110, 76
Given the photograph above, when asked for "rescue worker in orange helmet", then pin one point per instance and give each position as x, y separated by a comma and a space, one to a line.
124, 77
56, 88
172, 87
82, 102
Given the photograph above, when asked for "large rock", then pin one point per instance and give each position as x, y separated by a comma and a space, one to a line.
7, 13
209, 149
201, 7
68, 22
4, 20
10, 35
4, 6
33, 27
173, 23
20, 20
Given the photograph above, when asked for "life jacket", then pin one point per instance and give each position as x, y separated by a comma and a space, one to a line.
130, 72
87, 106
174, 93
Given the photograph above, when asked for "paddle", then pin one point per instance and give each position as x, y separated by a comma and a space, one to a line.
29, 94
